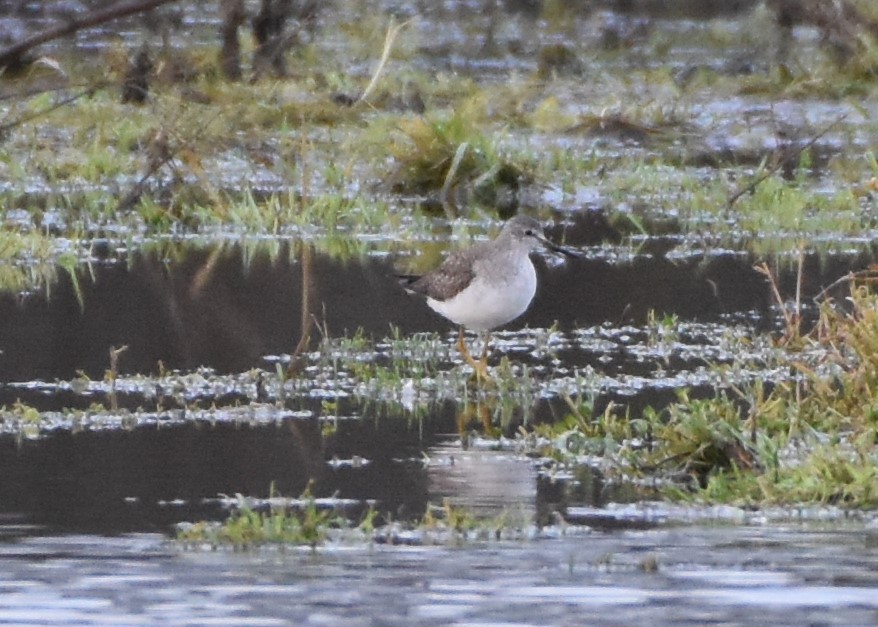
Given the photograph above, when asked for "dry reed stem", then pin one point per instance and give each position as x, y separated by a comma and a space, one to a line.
393, 31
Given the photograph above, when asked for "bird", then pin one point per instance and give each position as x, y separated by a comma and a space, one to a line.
486, 285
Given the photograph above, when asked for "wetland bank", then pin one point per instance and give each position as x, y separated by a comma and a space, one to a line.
218, 402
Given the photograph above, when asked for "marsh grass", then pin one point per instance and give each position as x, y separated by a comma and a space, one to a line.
309, 524
808, 438
31, 260
317, 154
659, 199
453, 517
417, 371
439, 154
247, 527
701, 437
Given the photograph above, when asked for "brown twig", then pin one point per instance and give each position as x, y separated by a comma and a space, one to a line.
392, 31
790, 318
867, 275
165, 150
12, 55
155, 164
786, 156
799, 278
113, 374
307, 318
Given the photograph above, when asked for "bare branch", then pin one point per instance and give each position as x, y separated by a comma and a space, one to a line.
12, 55
786, 156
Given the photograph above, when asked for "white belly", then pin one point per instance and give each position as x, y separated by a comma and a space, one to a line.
485, 305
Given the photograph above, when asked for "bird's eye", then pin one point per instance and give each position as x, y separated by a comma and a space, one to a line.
529, 232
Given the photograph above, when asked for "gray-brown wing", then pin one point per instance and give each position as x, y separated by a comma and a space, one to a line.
450, 278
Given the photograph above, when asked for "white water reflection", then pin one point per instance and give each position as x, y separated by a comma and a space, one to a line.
797, 574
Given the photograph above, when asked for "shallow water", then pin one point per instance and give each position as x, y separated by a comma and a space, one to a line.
794, 574
185, 433
226, 306
89, 496
88, 503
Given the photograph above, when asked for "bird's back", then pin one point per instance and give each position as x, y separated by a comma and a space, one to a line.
452, 276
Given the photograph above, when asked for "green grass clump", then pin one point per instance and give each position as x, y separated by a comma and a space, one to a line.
809, 438
813, 438
701, 438
450, 517
444, 153
247, 527
32, 260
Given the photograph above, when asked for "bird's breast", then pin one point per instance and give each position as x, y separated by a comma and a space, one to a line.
494, 297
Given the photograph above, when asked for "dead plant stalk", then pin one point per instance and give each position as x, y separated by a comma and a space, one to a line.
392, 32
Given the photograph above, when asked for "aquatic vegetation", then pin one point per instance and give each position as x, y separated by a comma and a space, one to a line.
701, 437
808, 438
32, 260
312, 522
247, 527
207, 153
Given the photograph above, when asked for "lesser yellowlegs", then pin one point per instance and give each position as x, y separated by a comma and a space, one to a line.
487, 285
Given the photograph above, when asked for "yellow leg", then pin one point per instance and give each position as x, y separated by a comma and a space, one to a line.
480, 367
484, 360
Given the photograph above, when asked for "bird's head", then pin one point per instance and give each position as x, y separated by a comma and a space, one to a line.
529, 232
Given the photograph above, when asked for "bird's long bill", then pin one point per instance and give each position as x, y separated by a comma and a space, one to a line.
567, 252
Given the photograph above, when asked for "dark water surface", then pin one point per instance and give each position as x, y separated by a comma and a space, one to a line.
226, 307
88, 503
87, 510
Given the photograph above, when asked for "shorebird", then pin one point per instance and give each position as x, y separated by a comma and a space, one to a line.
488, 284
